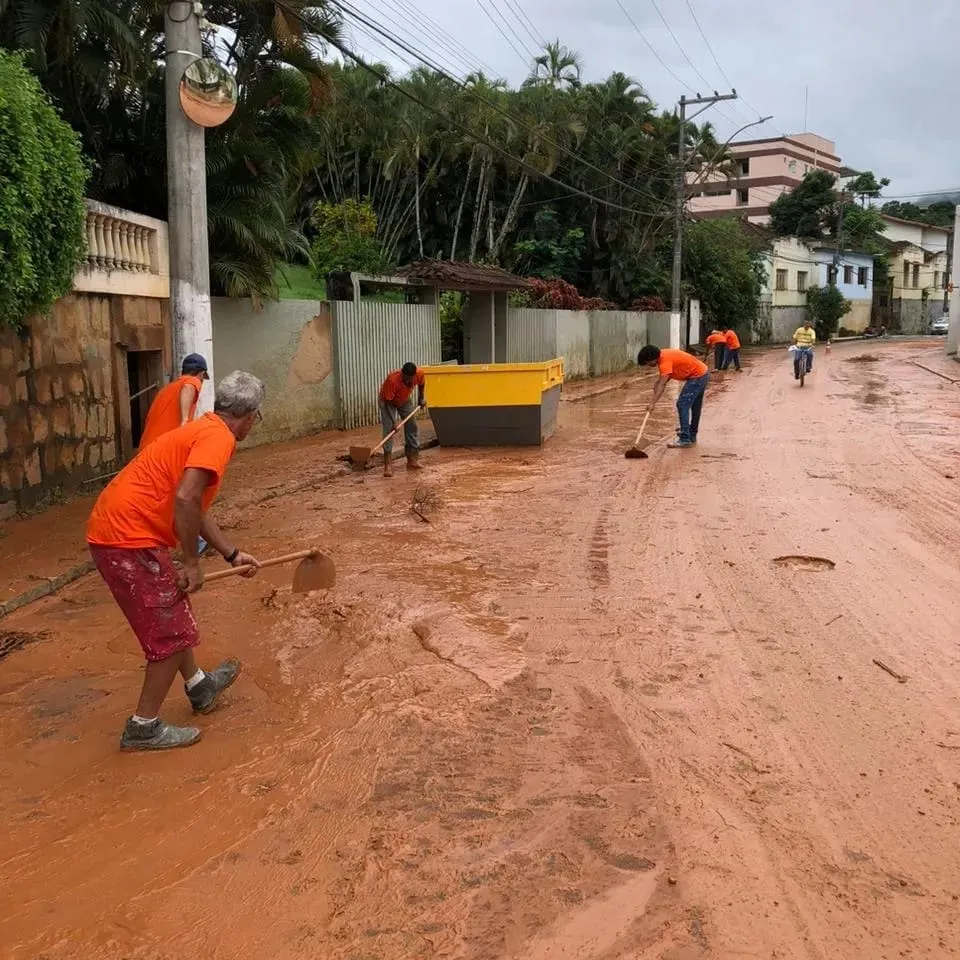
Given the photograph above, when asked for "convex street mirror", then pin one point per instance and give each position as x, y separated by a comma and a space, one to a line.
208, 93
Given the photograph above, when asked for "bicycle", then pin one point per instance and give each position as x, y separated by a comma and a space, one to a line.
802, 362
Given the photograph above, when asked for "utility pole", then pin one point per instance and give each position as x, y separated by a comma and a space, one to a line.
187, 199
953, 333
841, 202
676, 306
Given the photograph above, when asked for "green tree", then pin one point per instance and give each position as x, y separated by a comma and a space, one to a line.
938, 214
810, 211
43, 176
556, 67
724, 269
346, 239
827, 306
551, 251
866, 186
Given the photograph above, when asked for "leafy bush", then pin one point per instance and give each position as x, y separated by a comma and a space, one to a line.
557, 294
649, 305
827, 306
346, 239
43, 176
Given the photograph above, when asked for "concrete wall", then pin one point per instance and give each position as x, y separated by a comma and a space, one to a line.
658, 329
573, 343
858, 319
65, 412
636, 335
289, 346
909, 316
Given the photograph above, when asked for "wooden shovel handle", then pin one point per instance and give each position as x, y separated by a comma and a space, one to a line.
643, 427
272, 562
395, 430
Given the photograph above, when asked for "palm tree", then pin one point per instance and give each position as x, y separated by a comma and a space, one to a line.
556, 67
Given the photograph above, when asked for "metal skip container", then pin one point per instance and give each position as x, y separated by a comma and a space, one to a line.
494, 404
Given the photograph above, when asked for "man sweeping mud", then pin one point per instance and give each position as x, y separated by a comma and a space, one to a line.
689, 370
158, 500
396, 406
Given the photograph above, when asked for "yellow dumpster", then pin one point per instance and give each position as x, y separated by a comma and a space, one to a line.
494, 404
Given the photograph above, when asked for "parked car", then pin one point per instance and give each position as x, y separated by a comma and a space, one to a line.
940, 326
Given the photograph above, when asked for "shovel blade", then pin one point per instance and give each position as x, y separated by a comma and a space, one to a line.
360, 455
636, 453
316, 572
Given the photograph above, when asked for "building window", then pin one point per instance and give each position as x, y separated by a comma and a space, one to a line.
906, 275
743, 198
848, 274
744, 167
862, 276
781, 279
792, 166
916, 275
801, 281
936, 279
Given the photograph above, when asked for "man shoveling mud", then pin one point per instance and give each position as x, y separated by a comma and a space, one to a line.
689, 370
396, 404
159, 499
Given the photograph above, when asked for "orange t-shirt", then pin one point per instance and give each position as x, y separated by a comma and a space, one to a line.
164, 413
395, 392
733, 341
715, 338
136, 508
679, 365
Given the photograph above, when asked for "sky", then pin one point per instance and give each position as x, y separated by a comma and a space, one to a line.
876, 76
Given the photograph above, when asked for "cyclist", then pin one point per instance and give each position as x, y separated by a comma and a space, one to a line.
804, 337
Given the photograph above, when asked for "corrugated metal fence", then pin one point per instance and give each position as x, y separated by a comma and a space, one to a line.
531, 335
372, 338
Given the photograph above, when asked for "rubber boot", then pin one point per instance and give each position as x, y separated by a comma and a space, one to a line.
387, 468
413, 460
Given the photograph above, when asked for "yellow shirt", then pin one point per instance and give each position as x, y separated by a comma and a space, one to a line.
804, 337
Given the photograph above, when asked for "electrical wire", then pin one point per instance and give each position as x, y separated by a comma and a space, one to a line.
527, 24
351, 12
523, 56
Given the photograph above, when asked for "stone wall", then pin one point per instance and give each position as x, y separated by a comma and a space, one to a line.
62, 380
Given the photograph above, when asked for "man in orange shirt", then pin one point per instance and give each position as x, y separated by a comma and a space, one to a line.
176, 403
689, 370
732, 352
718, 341
396, 402
159, 499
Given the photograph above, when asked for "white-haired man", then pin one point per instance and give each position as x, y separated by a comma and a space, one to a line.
158, 500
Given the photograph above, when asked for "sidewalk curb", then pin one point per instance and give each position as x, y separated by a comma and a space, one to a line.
50, 587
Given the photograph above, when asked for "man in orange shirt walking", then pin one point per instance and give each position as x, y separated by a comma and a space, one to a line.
396, 402
692, 373
159, 499
732, 352
176, 403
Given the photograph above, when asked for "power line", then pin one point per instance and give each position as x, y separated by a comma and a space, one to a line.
523, 56
527, 24
346, 8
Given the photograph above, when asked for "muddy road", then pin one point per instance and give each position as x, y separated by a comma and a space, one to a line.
594, 709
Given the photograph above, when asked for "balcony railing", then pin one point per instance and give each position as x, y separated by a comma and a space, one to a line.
126, 254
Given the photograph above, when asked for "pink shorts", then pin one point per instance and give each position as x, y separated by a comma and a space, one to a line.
144, 584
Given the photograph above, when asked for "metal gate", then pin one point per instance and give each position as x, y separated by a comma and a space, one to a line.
371, 338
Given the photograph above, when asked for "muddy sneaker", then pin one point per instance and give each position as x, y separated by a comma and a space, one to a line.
205, 694
156, 736
413, 461
679, 444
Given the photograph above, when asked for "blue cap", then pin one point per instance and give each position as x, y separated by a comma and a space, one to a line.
194, 363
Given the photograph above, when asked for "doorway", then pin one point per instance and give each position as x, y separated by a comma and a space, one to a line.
144, 379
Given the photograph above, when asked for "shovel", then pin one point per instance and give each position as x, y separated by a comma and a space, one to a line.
636, 452
314, 572
362, 455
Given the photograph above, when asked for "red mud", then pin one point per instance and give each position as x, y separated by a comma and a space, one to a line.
582, 713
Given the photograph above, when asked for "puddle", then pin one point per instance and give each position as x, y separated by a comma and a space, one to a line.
803, 562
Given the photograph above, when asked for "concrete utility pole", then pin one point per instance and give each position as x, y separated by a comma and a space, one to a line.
953, 333
676, 306
187, 199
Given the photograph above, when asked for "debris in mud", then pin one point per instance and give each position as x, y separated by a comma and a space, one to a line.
426, 500
864, 358
11, 640
899, 677
803, 562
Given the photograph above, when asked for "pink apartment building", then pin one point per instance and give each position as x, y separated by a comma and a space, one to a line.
762, 171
